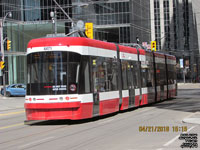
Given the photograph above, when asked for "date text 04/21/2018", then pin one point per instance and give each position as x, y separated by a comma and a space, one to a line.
162, 129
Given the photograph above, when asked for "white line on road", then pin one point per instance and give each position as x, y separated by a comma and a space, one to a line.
35, 142
175, 138
192, 114
105, 122
159, 149
171, 141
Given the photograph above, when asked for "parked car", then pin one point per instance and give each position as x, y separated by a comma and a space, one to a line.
15, 90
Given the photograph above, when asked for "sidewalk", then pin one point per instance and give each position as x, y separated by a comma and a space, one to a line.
188, 85
194, 118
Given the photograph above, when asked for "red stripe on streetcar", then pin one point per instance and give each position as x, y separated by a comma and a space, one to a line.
47, 87
142, 52
53, 98
40, 99
51, 105
73, 97
125, 103
127, 49
109, 106
84, 111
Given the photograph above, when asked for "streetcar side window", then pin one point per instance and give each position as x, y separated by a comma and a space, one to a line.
161, 74
105, 74
111, 70
148, 71
124, 75
84, 79
136, 74
144, 74
171, 73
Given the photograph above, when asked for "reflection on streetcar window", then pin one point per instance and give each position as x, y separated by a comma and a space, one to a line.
105, 74
50, 72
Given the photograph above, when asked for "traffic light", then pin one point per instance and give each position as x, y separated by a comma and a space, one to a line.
153, 45
2, 65
8, 45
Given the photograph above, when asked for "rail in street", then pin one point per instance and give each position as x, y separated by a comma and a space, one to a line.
160, 126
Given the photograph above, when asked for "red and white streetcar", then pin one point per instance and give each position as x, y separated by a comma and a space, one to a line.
78, 78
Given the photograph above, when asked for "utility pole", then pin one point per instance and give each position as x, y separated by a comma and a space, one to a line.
9, 14
54, 19
71, 20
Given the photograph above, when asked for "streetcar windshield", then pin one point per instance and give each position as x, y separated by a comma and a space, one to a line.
51, 73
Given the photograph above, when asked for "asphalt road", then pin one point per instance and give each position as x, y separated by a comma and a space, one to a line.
154, 127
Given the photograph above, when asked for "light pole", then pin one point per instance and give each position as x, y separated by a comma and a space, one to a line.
71, 20
8, 14
53, 15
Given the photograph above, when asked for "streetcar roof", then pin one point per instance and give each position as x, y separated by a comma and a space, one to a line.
80, 41
70, 41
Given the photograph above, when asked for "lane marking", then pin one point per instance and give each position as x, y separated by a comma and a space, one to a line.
175, 138
35, 142
105, 122
190, 115
10, 126
171, 141
12, 113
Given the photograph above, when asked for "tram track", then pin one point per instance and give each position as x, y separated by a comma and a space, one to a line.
92, 139
71, 123
9, 118
22, 108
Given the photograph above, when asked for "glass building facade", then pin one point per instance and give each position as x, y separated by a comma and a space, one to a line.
118, 21
176, 31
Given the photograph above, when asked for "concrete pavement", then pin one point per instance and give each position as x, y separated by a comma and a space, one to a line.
195, 117
14, 103
188, 85
18, 103
116, 132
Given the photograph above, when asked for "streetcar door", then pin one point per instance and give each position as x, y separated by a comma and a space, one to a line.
95, 85
131, 85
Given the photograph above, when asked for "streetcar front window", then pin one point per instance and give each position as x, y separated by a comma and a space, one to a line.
51, 73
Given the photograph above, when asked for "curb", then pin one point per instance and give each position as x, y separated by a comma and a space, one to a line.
193, 119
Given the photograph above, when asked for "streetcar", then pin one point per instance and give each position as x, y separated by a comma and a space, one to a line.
77, 78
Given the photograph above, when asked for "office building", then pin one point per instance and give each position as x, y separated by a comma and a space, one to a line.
120, 21
174, 26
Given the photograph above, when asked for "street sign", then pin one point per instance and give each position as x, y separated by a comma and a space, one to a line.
89, 30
